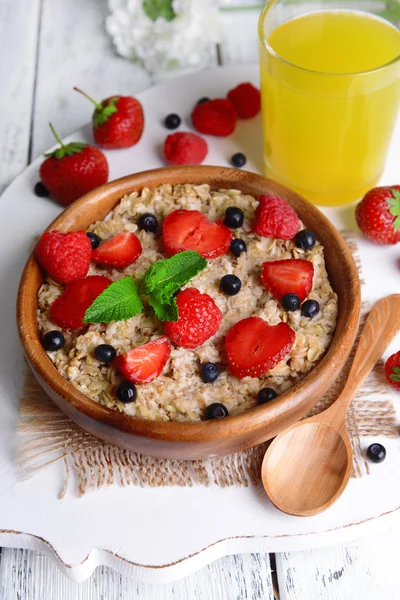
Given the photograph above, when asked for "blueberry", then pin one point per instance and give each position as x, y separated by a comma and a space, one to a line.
216, 411
148, 222
126, 392
310, 308
233, 217
290, 302
238, 160
105, 353
202, 100
172, 121
376, 453
305, 239
41, 190
230, 285
265, 395
237, 246
53, 340
209, 372
94, 240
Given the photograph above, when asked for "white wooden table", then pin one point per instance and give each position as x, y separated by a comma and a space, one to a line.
46, 47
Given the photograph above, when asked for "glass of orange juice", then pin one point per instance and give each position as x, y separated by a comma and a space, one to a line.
330, 86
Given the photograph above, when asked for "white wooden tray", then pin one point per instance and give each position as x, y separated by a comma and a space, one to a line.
163, 534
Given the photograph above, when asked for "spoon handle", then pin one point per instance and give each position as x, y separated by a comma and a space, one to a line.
382, 324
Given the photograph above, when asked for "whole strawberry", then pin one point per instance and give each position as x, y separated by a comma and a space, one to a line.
378, 215
392, 370
118, 121
73, 170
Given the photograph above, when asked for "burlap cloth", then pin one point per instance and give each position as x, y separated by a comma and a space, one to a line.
47, 435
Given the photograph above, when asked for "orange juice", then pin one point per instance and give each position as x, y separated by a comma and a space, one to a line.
330, 94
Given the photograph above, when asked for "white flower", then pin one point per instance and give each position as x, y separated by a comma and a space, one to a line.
184, 42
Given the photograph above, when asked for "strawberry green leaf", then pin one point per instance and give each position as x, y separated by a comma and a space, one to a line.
395, 376
156, 9
164, 311
67, 150
119, 302
395, 208
101, 115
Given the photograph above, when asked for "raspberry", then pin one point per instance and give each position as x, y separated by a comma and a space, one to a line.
274, 218
65, 256
215, 117
68, 310
246, 99
199, 319
183, 148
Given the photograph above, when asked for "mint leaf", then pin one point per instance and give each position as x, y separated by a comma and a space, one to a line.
155, 9
165, 277
164, 311
119, 302
102, 114
395, 208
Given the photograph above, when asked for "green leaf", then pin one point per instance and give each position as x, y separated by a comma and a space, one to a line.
119, 302
67, 150
101, 115
165, 277
395, 376
156, 9
164, 311
395, 208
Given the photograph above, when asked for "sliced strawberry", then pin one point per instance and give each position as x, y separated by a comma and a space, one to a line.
253, 347
144, 363
191, 230
291, 276
121, 251
68, 310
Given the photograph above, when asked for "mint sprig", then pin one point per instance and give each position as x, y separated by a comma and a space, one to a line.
119, 302
155, 9
395, 208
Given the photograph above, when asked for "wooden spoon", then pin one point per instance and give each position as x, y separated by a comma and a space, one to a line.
307, 467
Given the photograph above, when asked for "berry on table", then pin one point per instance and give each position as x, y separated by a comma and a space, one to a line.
265, 395
288, 276
233, 217
65, 256
246, 99
216, 411
392, 370
310, 308
184, 148
118, 121
230, 285
172, 121
209, 372
253, 346
126, 392
68, 310
144, 363
378, 215
376, 453
305, 239
237, 247
148, 222
53, 340
199, 319
95, 240
275, 218
290, 302
191, 230
238, 160
73, 170
215, 117
41, 190
120, 251
105, 353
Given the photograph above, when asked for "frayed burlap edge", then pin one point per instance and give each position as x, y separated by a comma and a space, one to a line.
47, 436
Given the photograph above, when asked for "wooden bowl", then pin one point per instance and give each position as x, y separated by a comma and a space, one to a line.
208, 438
